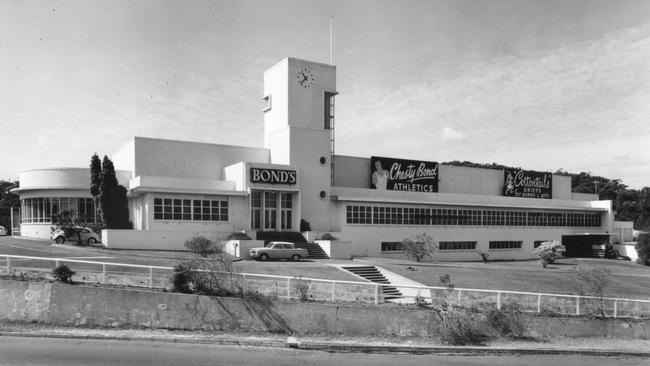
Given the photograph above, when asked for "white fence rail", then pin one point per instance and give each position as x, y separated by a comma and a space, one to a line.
366, 292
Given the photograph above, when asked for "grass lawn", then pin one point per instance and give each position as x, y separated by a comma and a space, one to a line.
629, 280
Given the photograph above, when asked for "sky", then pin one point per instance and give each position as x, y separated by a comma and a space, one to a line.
542, 85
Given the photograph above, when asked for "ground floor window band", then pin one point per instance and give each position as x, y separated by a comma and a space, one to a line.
41, 209
457, 245
175, 209
389, 215
496, 245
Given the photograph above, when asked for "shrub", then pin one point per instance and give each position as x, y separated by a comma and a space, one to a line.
419, 248
63, 274
210, 275
304, 225
302, 287
202, 246
591, 283
457, 327
182, 279
327, 236
239, 235
549, 251
507, 321
643, 249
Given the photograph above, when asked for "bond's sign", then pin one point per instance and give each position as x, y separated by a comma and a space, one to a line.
527, 184
403, 175
272, 176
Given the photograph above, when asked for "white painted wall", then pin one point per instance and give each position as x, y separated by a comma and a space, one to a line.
61, 179
182, 159
336, 249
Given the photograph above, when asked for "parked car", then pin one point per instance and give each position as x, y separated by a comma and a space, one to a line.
278, 250
87, 236
3, 231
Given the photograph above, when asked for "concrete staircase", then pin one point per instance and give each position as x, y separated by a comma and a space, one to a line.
314, 250
372, 274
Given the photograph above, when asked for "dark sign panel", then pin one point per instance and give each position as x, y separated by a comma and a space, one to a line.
403, 175
272, 176
527, 184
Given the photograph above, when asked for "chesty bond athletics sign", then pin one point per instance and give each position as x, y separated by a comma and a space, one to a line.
403, 175
272, 176
527, 184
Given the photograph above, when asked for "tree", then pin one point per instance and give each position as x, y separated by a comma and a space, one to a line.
643, 249
8, 201
95, 176
419, 248
70, 223
113, 204
549, 251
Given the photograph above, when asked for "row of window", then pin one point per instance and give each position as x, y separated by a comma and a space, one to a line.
382, 215
396, 246
190, 210
41, 209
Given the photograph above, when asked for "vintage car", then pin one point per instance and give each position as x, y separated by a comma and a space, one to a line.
87, 235
278, 250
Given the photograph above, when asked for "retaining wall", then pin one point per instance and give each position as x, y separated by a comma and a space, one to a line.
84, 305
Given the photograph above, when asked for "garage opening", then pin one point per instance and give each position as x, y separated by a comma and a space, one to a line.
582, 245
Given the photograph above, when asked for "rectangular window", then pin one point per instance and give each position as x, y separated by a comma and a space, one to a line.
537, 243
505, 245
329, 111
391, 246
457, 245
190, 210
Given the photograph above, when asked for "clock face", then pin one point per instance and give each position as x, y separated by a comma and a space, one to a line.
305, 78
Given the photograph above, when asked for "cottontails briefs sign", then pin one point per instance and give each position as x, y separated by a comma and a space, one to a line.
403, 175
527, 184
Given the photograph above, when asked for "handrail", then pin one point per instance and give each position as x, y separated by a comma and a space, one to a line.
334, 281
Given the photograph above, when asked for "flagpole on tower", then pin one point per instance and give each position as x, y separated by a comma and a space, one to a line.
331, 41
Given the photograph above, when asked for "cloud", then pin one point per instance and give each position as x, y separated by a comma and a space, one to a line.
579, 104
451, 134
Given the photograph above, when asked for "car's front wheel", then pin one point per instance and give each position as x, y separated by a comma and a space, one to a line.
92, 240
264, 257
59, 240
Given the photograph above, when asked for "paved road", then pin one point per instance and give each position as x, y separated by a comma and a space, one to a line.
16, 351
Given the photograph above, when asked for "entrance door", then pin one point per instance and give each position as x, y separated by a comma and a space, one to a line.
271, 210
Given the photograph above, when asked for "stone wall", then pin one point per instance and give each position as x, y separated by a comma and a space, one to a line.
61, 304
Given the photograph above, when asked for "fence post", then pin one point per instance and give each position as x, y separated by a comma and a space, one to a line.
615, 309
418, 298
56, 263
333, 283
8, 264
460, 292
244, 287
499, 300
376, 294
539, 303
150, 276
103, 272
288, 288
578, 305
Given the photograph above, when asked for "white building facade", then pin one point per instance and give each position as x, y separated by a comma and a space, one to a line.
177, 189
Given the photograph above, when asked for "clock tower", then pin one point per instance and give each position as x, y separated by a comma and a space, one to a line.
298, 130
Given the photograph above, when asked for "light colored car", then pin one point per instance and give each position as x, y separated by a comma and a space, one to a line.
3, 231
87, 236
278, 250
